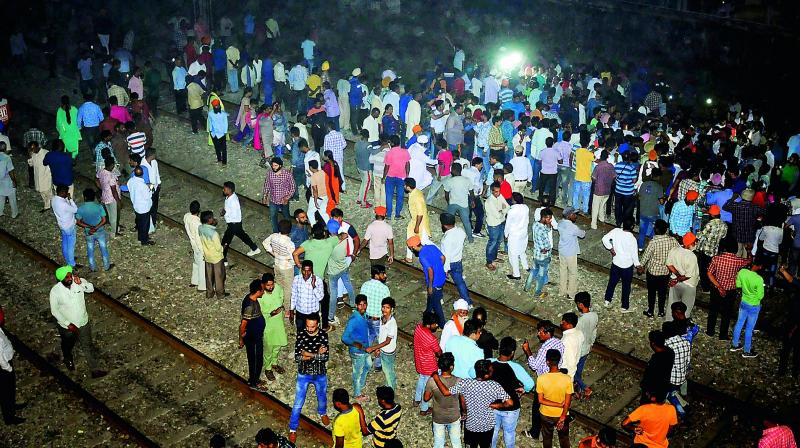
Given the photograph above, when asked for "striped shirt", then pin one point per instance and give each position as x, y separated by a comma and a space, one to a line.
384, 426
626, 178
136, 142
425, 348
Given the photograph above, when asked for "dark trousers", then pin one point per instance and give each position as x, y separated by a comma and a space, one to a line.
790, 346
355, 119
143, 227
154, 208
196, 117
255, 357
549, 427
536, 418
152, 102
180, 101
435, 304
657, 285
325, 303
90, 135
8, 393
721, 306
623, 207
703, 262
235, 229
84, 336
478, 439
547, 186
215, 280
478, 211
617, 274
221, 148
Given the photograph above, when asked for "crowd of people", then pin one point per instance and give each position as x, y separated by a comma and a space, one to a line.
713, 200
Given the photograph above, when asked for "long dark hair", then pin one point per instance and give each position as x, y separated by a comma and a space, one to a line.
65, 106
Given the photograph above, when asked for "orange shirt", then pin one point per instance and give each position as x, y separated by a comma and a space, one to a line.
654, 420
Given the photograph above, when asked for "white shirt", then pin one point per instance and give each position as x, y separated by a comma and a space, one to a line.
280, 247
195, 68
537, 216
310, 155
587, 324
191, 223
573, 342
522, 168
477, 85
517, 220
141, 196
6, 352
153, 172
371, 125
68, 305
233, 211
388, 329
453, 246
458, 60
418, 171
474, 175
278, 72
490, 89
625, 247
448, 331
393, 99
65, 210
378, 165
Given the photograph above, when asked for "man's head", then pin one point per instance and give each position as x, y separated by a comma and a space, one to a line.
569, 321
385, 396
228, 188
313, 166
472, 329
446, 362
268, 282
341, 400
375, 112
678, 310
691, 197
361, 303
62, 191
266, 438
656, 339
255, 289
207, 217
430, 320
545, 330
660, 227
519, 199
447, 220
378, 272
689, 240
546, 216
583, 300
64, 275
387, 307
553, 357
627, 224
307, 269
606, 438
276, 163
89, 195
508, 346
414, 243
300, 217
312, 323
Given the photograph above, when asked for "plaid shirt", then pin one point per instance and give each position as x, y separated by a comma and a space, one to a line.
724, 268
34, 135
654, 257
496, 137
305, 298
376, 291
538, 363
777, 437
685, 186
653, 101
681, 218
335, 143
709, 238
744, 216
278, 187
683, 356
542, 246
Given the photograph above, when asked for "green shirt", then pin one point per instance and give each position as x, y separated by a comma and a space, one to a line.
319, 251
90, 213
752, 286
275, 331
338, 261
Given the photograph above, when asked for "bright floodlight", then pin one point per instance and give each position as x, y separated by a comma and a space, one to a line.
708, 101
510, 61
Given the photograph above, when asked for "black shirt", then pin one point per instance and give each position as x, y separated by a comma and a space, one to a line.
504, 374
658, 370
251, 312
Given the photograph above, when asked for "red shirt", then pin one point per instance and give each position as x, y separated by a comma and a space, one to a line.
777, 437
458, 86
191, 54
505, 189
425, 348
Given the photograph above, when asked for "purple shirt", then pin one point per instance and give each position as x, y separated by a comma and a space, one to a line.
538, 363
603, 175
331, 104
565, 149
550, 157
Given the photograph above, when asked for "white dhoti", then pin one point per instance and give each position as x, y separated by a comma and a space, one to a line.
322, 201
517, 244
198, 269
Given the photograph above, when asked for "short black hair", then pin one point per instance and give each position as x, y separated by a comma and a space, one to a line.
206, 216
656, 337
660, 227
388, 301
341, 396
570, 318
678, 306
307, 264
607, 436
267, 277
482, 367
277, 160
583, 298
194, 207
472, 326
446, 362
255, 286
230, 185
377, 270
553, 356
313, 316
284, 226
360, 298
313, 164
429, 317
546, 326
337, 213
385, 393
507, 346
89, 195
410, 182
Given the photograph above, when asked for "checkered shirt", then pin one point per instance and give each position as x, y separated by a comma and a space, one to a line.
538, 363
478, 395
654, 257
683, 357
744, 215
681, 218
376, 291
724, 268
777, 437
335, 143
305, 298
685, 186
34, 135
709, 238
541, 242
278, 187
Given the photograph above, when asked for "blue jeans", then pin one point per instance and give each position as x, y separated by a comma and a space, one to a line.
420, 391
508, 421
463, 213
233, 80
748, 315
441, 430
362, 362
579, 374
580, 195
646, 228
68, 239
394, 187
101, 238
435, 304
274, 209
493, 245
387, 360
334, 284
320, 383
536, 166
299, 176
457, 274
373, 328
539, 272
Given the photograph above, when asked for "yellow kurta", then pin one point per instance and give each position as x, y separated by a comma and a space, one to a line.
417, 207
413, 114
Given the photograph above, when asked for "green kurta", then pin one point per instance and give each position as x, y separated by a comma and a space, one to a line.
275, 331
68, 132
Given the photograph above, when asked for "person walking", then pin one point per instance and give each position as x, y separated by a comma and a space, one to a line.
708, 243
318, 200
142, 200
625, 257
68, 307
516, 232
191, 224
8, 378
251, 334
419, 224
213, 256
651, 195
379, 237
452, 244
587, 325
8, 182
496, 209
272, 307
751, 285
398, 165
64, 209
91, 217
568, 251
685, 274
179, 74
311, 355
67, 126
654, 263
218, 130
108, 181
459, 193
281, 247
432, 261
279, 187
233, 220
722, 274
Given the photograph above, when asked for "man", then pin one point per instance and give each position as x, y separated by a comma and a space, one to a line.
722, 273
572, 338
685, 274
348, 426
744, 215
516, 232
89, 117
708, 242
137, 139
154, 173
542, 252
566, 173
194, 98
653, 420
523, 173
776, 436
603, 178
514, 379
68, 306
654, 263
587, 325
279, 244
545, 332
232, 56
8, 379
605, 438
356, 338
60, 164
251, 334
311, 355
91, 217
651, 195
426, 353
453, 249
279, 187
397, 163
384, 426
459, 193
272, 306
64, 209
233, 220
191, 223
307, 293
682, 215
419, 224
341, 257
432, 261
266, 438
319, 250
41, 178
496, 209
625, 256
179, 86
213, 256
379, 237
372, 124
554, 391
363, 150
568, 251
142, 200
582, 187
455, 326
548, 177
482, 397
465, 349
218, 130
318, 203
674, 339
751, 287
375, 290
8, 181
334, 142
657, 373
625, 187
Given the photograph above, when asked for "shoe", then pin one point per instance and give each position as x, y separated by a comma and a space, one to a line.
587, 393
710, 333
225, 263
478, 235
70, 365
340, 304
110, 267
625, 310
149, 243
260, 386
751, 354
425, 413
269, 375
735, 348
278, 369
335, 321
98, 374
661, 314
511, 277
607, 303
226, 294
491, 267
253, 253
15, 421
648, 314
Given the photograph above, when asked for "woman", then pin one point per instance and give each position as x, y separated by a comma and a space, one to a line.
333, 179
67, 126
243, 118
280, 128
391, 125
262, 140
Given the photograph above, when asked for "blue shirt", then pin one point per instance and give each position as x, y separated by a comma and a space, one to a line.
681, 218
518, 108
249, 24
522, 375
220, 59
90, 213
267, 71
298, 235
404, 100
719, 198
179, 78
626, 178
355, 92
568, 234
357, 330
431, 257
60, 164
89, 115
218, 123
85, 68
466, 352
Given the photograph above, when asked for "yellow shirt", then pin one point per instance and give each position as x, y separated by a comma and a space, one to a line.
583, 165
348, 426
555, 387
314, 82
417, 207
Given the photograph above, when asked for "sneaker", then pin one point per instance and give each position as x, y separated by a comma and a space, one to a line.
335, 321
735, 348
648, 314
625, 310
478, 235
607, 303
661, 314
751, 354
340, 304
253, 253
511, 277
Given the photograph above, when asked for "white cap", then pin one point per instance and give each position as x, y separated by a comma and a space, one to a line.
423, 139
461, 304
